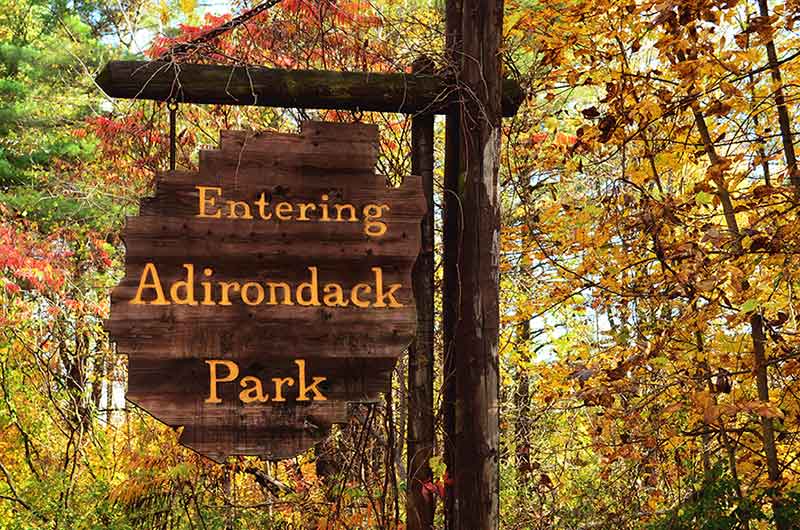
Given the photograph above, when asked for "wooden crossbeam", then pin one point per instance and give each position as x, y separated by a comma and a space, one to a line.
269, 87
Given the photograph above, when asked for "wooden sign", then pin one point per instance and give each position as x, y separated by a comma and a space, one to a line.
269, 289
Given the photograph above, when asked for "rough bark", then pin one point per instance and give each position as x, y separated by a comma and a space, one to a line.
271, 87
451, 234
450, 302
476, 483
420, 500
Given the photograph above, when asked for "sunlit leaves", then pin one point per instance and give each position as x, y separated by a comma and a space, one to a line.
634, 217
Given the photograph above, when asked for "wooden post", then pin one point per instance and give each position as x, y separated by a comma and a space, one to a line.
477, 330
272, 87
420, 499
451, 230
172, 107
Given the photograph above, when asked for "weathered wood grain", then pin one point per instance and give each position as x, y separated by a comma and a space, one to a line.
354, 348
314, 89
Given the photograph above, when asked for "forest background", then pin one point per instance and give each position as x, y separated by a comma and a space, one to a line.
649, 346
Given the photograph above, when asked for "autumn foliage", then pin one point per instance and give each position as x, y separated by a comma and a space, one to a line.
650, 348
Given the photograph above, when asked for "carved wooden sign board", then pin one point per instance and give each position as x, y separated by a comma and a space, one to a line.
269, 289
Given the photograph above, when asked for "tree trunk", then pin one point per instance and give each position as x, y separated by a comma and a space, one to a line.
476, 481
451, 234
109, 382
522, 406
391, 454
767, 429
783, 114
420, 499
402, 414
756, 326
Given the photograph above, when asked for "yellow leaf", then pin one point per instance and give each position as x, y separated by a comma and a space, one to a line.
188, 8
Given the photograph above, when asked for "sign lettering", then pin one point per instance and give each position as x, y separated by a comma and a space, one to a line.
269, 288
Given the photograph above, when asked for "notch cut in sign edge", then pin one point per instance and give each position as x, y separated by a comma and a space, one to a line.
232, 437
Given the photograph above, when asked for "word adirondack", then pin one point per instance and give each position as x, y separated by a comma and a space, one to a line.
269, 289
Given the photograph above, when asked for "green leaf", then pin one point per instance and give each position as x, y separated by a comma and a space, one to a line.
703, 197
749, 306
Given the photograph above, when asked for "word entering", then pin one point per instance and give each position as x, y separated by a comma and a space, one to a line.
211, 206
